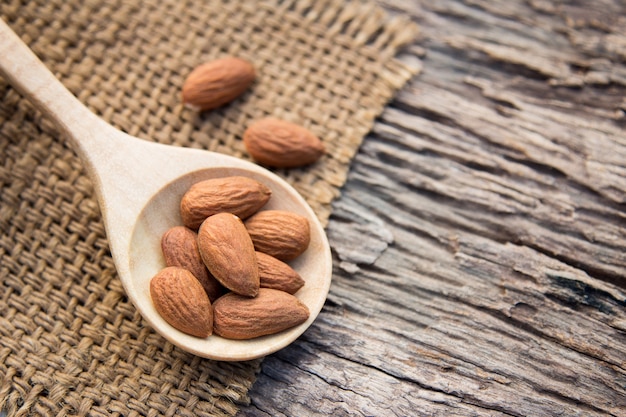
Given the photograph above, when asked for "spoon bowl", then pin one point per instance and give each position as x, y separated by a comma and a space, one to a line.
139, 185
145, 260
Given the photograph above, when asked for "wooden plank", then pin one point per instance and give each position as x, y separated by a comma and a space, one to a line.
480, 241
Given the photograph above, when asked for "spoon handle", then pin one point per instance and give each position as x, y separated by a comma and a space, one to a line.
104, 150
23, 69
115, 162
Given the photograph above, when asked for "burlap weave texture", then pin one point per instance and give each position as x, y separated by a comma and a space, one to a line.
71, 343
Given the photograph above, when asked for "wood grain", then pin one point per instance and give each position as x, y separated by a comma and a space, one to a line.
480, 241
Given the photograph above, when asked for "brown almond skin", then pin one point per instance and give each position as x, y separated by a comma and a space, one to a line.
239, 195
278, 275
216, 83
281, 234
272, 311
182, 302
179, 245
281, 144
227, 251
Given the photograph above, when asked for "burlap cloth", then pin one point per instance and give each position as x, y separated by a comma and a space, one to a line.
71, 343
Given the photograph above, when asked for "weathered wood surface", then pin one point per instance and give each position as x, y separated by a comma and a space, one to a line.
480, 241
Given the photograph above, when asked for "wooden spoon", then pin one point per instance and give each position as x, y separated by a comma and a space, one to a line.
139, 185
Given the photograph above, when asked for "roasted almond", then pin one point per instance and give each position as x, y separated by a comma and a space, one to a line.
179, 245
278, 143
182, 302
272, 311
227, 251
278, 275
239, 195
281, 234
215, 83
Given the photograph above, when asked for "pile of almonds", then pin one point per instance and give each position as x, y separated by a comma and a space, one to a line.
227, 268
270, 141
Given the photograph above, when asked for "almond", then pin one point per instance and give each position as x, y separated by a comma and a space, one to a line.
278, 275
272, 311
278, 143
216, 83
180, 248
181, 301
281, 234
228, 253
239, 195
